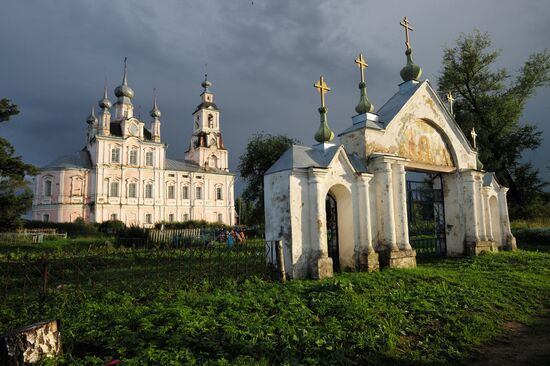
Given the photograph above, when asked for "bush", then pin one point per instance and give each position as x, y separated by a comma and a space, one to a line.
79, 228
191, 224
532, 236
112, 227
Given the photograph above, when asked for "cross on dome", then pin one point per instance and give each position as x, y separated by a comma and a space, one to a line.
323, 88
405, 24
360, 61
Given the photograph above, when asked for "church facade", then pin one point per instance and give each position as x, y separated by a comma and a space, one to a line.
404, 181
123, 173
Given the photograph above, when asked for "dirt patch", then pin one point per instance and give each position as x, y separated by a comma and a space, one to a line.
522, 345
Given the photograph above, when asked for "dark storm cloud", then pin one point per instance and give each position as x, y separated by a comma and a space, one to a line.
263, 58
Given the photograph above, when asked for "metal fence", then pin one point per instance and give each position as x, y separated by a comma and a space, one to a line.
131, 264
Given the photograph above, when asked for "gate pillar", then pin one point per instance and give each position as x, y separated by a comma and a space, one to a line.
387, 192
320, 262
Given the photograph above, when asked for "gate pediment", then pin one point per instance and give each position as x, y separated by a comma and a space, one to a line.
424, 146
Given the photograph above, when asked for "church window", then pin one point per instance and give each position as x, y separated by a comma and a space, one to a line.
214, 161
76, 186
114, 189
46, 218
133, 157
48, 188
185, 217
148, 191
171, 192
131, 190
198, 193
149, 158
171, 218
148, 218
113, 217
220, 217
219, 195
115, 155
210, 121
185, 193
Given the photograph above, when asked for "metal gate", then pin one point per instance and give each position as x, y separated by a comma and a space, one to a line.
426, 214
332, 231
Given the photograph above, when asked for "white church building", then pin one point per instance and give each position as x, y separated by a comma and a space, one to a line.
402, 182
123, 173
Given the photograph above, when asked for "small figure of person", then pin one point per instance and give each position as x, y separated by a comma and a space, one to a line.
230, 239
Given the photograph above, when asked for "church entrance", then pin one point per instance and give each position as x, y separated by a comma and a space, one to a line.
332, 231
426, 214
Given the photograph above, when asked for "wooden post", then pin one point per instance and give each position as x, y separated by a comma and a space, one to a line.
44, 278
281, 260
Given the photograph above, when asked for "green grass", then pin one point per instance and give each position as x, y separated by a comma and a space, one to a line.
435, 314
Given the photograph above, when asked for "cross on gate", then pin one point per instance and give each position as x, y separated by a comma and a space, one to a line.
323, 89
405, 24
451, 100
360, 61
474, 135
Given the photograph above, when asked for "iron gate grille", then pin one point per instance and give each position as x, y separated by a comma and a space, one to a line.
426, 215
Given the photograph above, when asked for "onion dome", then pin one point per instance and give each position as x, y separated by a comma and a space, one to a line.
92, 119
364, 104
105, 103
155, 112
206, 84
124, 90
324, 133
411, 71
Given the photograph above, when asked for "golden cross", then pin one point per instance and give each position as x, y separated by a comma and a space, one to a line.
360, 61
323, 88
450, 99
405, 24
474, 135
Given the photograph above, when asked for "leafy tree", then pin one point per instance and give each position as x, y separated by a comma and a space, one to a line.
15, 195
492, 101
262, 151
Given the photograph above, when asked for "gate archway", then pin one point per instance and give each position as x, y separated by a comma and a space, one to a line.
331, 209
426, 214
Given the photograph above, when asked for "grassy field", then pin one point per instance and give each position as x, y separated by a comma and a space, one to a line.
435, 314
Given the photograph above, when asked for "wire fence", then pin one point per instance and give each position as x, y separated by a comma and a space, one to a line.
131, 264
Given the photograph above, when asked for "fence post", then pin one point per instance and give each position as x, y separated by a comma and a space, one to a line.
281, 260
44, 278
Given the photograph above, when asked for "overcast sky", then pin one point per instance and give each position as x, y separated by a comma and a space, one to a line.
263, 58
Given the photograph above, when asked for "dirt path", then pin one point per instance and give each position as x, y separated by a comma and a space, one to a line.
521, 346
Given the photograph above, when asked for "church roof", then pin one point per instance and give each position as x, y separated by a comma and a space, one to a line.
299, 156
80, 159
206, 105
190, 166
397, 101
115, 129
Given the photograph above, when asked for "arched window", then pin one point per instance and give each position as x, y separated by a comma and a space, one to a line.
213, 161
76, 186
115, 155
210, 121
171, 192
149, 158
114, 189
220, 217
132, 190
149, 190
47, 188
133, 158
46, 217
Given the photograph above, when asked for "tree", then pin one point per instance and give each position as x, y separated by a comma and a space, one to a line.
492, 101
262, 151
15, 195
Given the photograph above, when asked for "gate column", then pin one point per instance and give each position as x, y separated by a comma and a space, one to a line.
401, 207
321, 263
367, 257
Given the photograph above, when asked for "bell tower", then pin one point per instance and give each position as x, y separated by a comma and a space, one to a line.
206, 148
